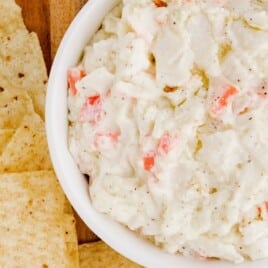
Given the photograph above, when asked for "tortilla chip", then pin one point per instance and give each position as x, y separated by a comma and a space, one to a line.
71, 238
38, 97
21, 60
98, 254
35, 230
5, 136
37, 226
33, 120
68, 208
27, 150
14, 105
11, 19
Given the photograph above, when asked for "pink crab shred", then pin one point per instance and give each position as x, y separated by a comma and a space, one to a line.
74, 75
223, 100
91, 110
106, 139
167, 142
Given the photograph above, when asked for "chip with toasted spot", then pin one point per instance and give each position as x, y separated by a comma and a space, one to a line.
5, 136
70, 237
37, 226
14, 105
98, 254
27, 150
21, 60
35, 230
33, 120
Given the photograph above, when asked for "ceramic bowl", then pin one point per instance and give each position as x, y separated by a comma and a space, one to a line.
72, 181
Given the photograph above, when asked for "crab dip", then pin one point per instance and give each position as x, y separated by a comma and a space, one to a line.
168, 116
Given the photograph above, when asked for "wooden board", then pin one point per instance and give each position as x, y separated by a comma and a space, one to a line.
50, 19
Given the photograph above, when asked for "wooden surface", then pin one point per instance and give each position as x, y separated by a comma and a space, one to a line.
50, 19
36, 16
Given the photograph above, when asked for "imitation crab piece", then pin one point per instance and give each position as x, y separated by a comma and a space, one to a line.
262, 211
167, 143
91, 110
149, 161
106, 140
74, 75
223, 100
160, 3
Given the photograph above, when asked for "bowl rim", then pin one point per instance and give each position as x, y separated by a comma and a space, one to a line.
56, 112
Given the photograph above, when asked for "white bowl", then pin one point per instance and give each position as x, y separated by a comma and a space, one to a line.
72, 181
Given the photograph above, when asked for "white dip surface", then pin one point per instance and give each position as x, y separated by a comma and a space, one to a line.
169, 118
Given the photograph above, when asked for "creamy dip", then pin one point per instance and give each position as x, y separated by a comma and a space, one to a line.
168, 114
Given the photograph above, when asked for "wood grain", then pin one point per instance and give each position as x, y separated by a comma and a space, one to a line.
83, 233
50, 19
61, 14
36, 16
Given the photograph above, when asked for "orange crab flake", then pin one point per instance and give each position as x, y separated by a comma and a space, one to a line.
160, 3
149, 160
